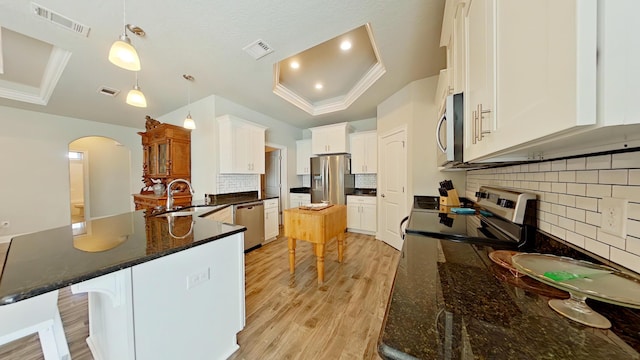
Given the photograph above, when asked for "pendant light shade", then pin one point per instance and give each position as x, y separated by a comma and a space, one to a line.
135, 97
123, 54
188, 121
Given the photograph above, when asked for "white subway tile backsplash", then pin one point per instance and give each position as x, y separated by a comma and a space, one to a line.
567, 176
633, 245
230, 183
619, 177
544, 166
625, 259
559, 188
593, 218
599, 162
577, 164
544, 186
577, 189
568, 200
577, 214
575, 239
626, 160
588, 176
559, 210
631, 193
633, 211
568, 194
586, 230
634, 177
551, 176
587, 203
633, 228
366, 181
597, 247
595, 190
567, 224
611, 239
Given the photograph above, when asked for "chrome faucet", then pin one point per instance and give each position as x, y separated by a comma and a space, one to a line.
170, 194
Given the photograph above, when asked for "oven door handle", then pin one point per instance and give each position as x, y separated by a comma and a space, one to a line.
402, 232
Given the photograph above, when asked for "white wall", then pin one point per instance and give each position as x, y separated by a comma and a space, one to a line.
35, 169
413, 106
109, 173
204, 144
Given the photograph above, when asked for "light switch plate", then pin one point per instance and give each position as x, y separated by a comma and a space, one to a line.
614, 216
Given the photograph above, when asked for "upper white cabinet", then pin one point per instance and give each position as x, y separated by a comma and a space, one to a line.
330, 139
303, 154
241, 146
523, 82
479, 95
364, 152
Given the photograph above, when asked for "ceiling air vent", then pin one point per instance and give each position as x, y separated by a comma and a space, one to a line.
108, 91
60, 20
258, 49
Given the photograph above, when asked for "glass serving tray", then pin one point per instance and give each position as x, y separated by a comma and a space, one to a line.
581, 279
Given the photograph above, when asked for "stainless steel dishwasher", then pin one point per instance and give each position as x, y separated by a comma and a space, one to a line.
251, 216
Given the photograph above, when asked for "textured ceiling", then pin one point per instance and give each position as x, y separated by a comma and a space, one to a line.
205, 38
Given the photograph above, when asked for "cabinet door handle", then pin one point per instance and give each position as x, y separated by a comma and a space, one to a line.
482, 132
474, 126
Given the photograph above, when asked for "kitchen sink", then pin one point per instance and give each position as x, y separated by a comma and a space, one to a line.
190, 211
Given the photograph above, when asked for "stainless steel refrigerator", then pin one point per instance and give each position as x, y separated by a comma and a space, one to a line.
331, 178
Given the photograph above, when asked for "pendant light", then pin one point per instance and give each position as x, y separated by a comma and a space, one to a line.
122, 53
135, 96
188, 122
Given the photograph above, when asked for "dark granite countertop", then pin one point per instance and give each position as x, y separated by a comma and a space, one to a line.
364, 192
449, 301
236, 198
300, 190
48, 260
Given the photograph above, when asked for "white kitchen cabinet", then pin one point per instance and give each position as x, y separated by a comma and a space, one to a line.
452, 79
524, 84
241, 146
361, 214
479, 97
364, 152
271, 222
303, 154
297, 199
330, 139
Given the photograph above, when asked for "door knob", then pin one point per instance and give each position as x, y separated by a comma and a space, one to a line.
382, 195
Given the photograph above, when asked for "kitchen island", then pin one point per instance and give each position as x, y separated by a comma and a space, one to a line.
160, 287
450, 301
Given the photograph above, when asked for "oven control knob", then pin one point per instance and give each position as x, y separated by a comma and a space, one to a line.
506, 203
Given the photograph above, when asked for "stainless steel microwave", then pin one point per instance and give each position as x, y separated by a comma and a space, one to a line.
450, 132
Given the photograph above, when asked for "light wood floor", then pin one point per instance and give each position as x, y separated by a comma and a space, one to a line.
287, 317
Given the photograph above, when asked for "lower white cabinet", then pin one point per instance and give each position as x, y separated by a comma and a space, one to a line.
271, 222
297, 199
361, 214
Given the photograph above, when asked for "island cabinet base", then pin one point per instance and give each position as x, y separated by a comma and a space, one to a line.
189, 304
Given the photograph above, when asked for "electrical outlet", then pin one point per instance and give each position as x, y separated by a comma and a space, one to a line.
5, 224
614, 216
197, 278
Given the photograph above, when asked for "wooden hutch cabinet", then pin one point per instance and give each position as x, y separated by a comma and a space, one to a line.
166, 157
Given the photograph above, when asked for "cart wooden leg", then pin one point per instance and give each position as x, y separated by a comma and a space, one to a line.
292, 255
340, 246
319, 250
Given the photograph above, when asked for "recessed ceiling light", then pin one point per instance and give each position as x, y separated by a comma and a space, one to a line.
295, 65
345, 45
318, 86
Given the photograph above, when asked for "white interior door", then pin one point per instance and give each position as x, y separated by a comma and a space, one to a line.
392, 178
